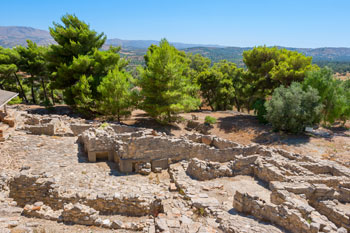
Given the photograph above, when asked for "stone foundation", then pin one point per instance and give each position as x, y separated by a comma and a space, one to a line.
28, 189
195, 183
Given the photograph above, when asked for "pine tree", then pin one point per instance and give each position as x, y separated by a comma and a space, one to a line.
268, 68
165, 88
117, 98
9, 60
81, 93
221, 86
77, 54
32, 62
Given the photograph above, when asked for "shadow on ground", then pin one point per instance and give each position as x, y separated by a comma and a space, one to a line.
240, 122
143, 120
270, 138
340, 130
263, 133
113, 168
57, 110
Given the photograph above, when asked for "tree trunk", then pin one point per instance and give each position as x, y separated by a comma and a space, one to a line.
118, 115
238, 106
44, 89
21, 87
32, 89
53, 98
169, 116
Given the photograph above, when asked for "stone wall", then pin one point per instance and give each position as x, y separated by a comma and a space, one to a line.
308, 195
29, 189
285, 216
145, 146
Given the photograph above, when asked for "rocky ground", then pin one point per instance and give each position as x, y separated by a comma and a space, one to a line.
48, 185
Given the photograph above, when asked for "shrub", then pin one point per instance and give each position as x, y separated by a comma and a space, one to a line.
104, 125
333, 94
260, 110
209, 120
15, 100
292, 109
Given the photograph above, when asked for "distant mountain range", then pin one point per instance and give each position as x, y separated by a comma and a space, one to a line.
12, 35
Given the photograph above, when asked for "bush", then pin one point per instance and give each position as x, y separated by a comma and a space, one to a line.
210, 120
104, 125
15, 100
334, 94
260, 110
292, 109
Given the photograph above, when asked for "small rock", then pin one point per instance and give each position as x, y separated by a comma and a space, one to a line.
117, 224
161, 224
32, 224
207, 139
173, 223
106, 223
12, 224
172, 187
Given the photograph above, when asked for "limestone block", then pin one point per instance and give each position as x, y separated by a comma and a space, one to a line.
125, 166
344, 194
79, 128
223, 144
160, 163
92, 156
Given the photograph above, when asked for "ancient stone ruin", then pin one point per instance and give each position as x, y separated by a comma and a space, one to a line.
152, 182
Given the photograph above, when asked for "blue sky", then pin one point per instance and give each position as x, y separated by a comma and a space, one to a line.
294, 23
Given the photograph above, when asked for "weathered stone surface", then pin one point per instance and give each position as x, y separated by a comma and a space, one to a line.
205, 170
282, 215
80, 214
200, 182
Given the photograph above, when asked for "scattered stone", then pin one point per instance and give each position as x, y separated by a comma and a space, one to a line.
172, 187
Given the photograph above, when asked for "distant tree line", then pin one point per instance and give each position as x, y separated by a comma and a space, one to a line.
283, 87
337, 66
